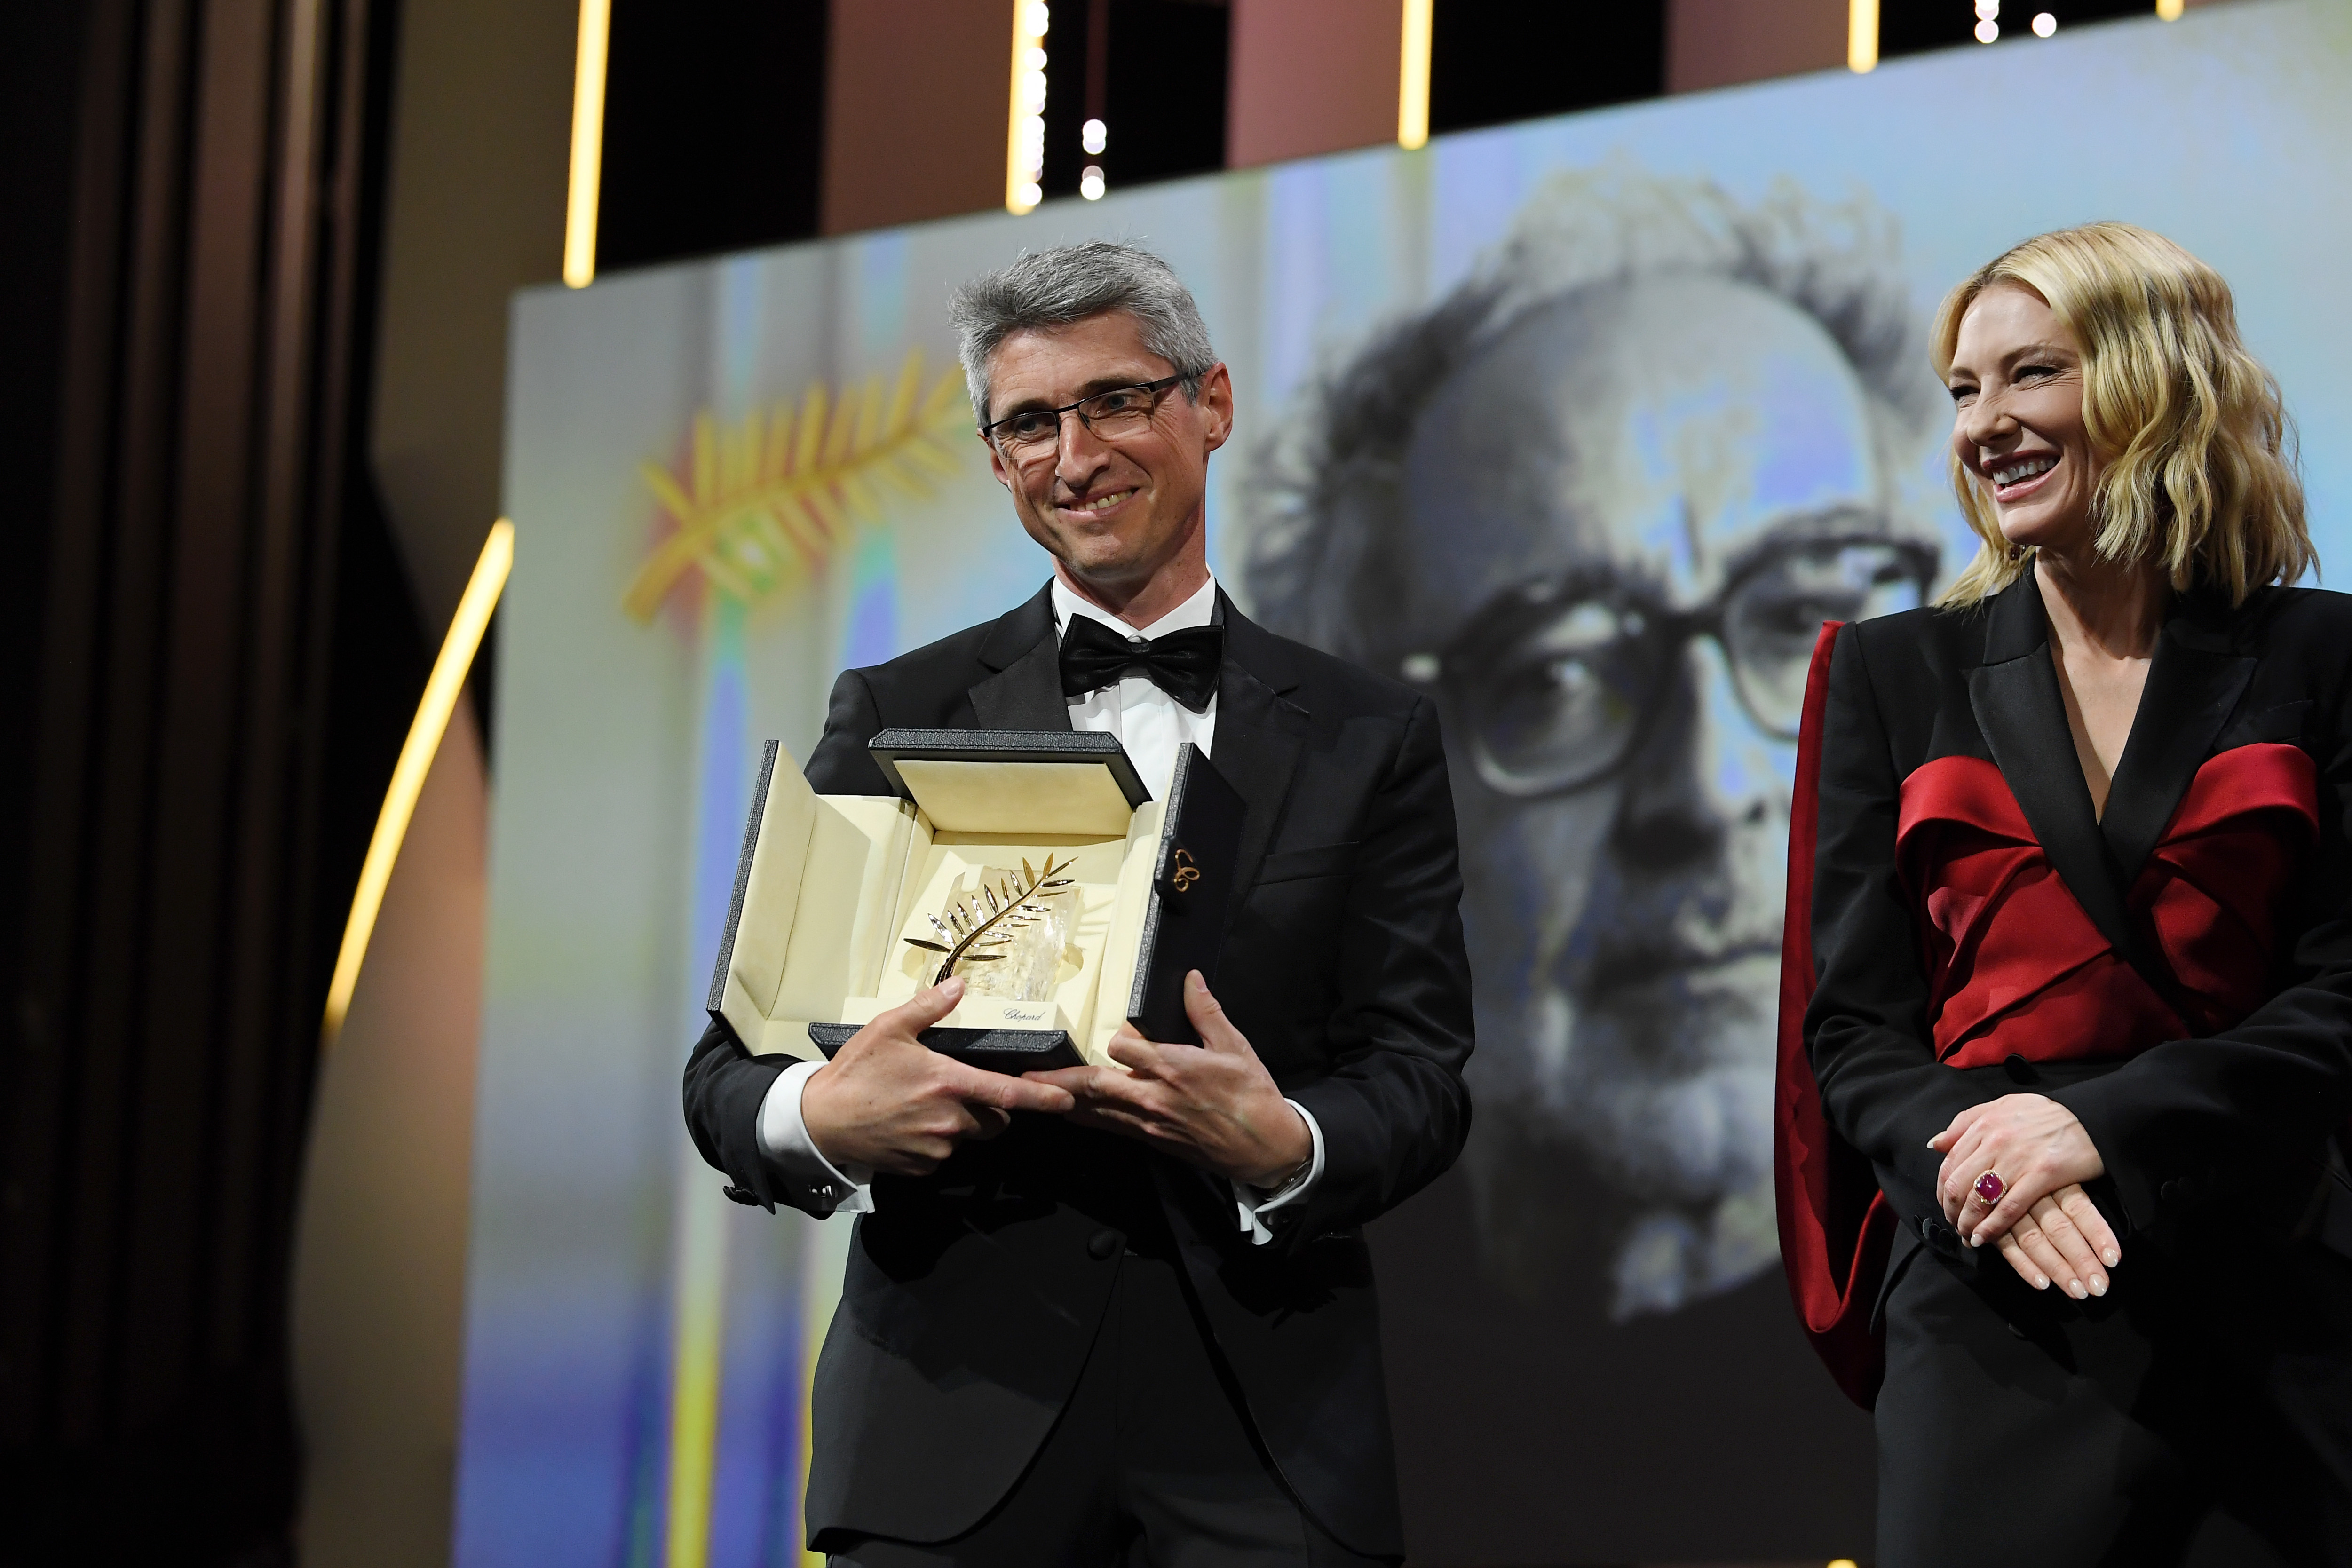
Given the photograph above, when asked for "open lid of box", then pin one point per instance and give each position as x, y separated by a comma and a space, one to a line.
1014, 781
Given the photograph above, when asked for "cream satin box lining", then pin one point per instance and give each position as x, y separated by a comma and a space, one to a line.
830, 884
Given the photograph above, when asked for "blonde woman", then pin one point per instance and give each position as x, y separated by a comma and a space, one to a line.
2067, 1035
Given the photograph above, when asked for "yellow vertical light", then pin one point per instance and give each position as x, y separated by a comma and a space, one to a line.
1413, 77
1024, 129
433, 711
697, 1363
1862, 34
2169, 10
587, 142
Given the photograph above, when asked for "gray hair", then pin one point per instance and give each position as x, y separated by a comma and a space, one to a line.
1070, 283
1326, 507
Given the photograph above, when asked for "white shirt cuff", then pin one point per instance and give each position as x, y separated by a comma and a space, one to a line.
785, 1142
1255, 1204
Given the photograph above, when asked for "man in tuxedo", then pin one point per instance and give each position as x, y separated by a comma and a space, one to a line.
1098, 1316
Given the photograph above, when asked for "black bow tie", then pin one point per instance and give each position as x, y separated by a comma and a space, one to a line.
1183, 664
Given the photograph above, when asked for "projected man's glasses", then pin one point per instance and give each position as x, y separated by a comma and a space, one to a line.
1556, 682
1120, 412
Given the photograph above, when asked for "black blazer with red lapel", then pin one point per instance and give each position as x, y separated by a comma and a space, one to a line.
972, 1294
2190, 1130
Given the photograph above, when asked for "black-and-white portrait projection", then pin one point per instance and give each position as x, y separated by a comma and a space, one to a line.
1598, 500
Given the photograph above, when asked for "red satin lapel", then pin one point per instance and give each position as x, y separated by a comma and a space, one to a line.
1961, 789
2002, 931
2264, 777
2211, 886
2017, 968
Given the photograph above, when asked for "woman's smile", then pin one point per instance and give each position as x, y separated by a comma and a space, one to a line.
2018, 475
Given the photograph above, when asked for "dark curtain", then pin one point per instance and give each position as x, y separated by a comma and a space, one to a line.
192, 188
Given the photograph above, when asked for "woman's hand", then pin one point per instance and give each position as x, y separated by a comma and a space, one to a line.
2047, 1228
2063, 1238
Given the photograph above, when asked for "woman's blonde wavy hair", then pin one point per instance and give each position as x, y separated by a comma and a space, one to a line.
2200, 458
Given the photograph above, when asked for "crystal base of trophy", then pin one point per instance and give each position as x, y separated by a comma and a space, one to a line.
1035, 865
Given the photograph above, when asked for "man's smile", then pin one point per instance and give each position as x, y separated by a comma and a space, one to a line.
1095, 508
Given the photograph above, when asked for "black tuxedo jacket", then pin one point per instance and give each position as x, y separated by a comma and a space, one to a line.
973, 1294
2231, 1126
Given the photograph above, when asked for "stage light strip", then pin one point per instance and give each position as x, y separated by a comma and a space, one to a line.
440, 700
2168, 10
699, 1364
1862, 36
1413, 77
587, 142
1024, 133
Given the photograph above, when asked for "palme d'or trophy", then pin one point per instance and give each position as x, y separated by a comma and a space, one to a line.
1024, 927
1033, 864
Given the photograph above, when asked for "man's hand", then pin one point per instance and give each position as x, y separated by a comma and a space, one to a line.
889, 1102
2046, 1225
1213, 1105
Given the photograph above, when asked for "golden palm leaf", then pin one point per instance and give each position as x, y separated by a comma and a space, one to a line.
760, 503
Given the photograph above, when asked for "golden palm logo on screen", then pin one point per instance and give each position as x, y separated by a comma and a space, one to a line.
762, 502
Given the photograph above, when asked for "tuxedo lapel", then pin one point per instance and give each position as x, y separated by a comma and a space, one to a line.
1259, 734
2023, 719
2193, 684
1025, 692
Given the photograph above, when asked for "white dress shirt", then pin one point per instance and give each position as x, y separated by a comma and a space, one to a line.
1148, 721
1151, 725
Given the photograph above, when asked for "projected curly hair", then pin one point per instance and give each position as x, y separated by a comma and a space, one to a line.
1324, 510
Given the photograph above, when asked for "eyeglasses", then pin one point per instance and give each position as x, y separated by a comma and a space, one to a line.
1121, 412
1559, 682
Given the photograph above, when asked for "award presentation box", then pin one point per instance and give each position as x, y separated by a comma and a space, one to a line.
847, 905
